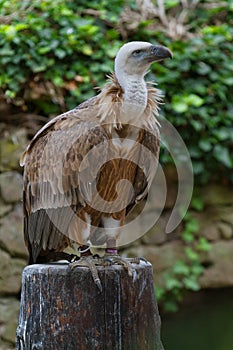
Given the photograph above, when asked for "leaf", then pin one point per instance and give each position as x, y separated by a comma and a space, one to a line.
196, 269
198, 125
60, 53
197, 203
205, 145
87, 50
192, 225
224, 134
194, 100
179, 105
191, 283
21, 26
172, 283
203, 244
222, 154
43, 50
203, 68
188, 236
191, 254
181, 268
228, 81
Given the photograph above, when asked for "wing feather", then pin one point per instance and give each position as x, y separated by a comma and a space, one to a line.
51, 178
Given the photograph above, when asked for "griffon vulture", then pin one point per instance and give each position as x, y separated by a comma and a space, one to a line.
87, 168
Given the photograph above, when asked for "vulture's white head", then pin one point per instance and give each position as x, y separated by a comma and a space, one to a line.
134, 58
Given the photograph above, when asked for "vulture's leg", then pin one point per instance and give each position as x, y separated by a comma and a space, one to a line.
80, 230
113, 229
88, 260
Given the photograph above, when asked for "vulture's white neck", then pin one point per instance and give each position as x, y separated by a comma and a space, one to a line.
134, 98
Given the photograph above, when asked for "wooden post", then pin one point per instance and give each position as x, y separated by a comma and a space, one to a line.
62, 309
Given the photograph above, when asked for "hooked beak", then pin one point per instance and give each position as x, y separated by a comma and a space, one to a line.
158, 53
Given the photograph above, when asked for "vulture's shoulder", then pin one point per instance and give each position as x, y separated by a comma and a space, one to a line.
76, 121
59, 155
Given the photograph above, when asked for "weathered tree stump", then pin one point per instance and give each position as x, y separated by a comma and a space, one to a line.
64, 309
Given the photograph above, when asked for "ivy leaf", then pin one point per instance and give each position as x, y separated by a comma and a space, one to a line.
181, 268
172, 283
222, 154
205, 145
194, 100
191, 283
188, 236
203, 244
180, 107
178, 104
197, 203
191, 254
192, 225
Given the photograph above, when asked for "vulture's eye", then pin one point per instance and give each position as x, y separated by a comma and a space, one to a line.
136, 52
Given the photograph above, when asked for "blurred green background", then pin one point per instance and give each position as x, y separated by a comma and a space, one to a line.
53, 54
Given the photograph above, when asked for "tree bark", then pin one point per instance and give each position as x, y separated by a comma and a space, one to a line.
64, 309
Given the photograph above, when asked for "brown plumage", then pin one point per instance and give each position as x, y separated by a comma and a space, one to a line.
74, 166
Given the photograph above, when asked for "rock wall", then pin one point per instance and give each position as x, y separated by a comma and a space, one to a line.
13, 254
215, 220
215, 224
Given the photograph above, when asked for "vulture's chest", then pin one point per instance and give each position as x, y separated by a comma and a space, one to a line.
126, 140
118, 173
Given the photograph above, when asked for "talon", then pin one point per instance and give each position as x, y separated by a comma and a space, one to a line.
73, 264
90, 262
129, 269
99, 285
73, 258
125, 262
135, 260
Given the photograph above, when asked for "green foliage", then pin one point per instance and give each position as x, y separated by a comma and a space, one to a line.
198, 87
70, 47
60, 52
184, 274
60, 45
199, 100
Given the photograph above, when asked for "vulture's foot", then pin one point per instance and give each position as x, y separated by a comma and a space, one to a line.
88, 260
127, 263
